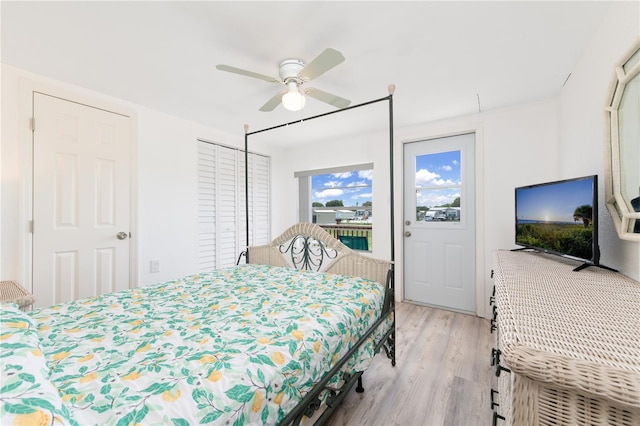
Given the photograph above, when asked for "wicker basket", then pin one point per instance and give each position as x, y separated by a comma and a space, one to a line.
11, 292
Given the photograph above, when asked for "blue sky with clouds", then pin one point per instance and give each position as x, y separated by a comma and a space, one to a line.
555, 202
353, 188
437, 182
437, 178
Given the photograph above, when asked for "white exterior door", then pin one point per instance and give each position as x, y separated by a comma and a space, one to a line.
81, 187
439, 243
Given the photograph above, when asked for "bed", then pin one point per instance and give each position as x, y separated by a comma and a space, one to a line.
266, 342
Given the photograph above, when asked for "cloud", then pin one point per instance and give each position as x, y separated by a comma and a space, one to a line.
332, 183
436, 198
365, 174
343, 175
443, 182
447, 168
424, 176
328, 193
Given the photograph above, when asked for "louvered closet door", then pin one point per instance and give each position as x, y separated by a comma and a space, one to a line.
222, 203
227, 206
207, 206
259, 206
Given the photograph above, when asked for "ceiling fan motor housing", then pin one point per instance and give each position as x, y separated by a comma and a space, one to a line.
290, 68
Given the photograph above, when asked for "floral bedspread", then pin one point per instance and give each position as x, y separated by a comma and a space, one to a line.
238, 345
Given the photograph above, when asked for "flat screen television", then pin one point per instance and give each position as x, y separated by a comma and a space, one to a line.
560, 218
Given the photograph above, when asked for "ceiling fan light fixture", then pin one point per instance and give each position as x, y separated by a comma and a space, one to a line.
293, 100
293, 74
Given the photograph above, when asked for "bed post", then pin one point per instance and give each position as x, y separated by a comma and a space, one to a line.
392, 336
246, 188
388, 341
392, 88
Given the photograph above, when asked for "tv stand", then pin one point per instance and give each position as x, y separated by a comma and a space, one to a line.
586, 265
525, 248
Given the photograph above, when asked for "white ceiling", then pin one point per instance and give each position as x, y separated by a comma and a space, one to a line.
446, 58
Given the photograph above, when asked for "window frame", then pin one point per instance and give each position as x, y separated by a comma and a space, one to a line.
305, 191
305, 194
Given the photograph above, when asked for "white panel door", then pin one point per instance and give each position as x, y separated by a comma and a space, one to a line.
439, 244
81, 181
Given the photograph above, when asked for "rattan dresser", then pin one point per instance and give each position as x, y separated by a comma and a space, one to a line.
568, 343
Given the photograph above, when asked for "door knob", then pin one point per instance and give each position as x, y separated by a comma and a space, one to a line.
407, 233
122, 235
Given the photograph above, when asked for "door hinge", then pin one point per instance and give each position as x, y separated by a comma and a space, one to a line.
30, 226
32, 123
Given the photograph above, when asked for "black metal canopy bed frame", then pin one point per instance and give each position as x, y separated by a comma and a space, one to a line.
269, 342
307, 246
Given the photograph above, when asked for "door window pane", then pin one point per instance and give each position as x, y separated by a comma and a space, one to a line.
438, 187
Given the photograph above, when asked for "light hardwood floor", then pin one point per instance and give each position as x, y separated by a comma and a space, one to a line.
442, 374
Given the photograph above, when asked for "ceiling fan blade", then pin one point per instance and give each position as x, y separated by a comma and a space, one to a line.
326, 97
273, 102
321, 64
240, 71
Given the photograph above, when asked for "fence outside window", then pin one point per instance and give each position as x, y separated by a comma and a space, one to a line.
356, 237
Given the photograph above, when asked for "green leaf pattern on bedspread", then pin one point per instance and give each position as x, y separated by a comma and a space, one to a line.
235, 346
27, 396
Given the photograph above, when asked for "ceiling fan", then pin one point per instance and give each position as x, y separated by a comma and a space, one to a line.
293, 74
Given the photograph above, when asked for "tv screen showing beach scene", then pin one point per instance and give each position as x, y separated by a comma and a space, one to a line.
559, 217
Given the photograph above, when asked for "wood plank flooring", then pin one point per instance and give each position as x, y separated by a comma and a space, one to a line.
442, 375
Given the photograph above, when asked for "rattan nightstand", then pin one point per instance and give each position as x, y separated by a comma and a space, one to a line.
11, 292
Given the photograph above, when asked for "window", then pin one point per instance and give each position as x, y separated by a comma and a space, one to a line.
221, 203
438, 187
340, 201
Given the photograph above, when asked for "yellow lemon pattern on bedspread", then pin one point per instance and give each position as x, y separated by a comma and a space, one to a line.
238, 345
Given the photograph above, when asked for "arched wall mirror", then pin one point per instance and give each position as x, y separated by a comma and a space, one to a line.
622, 180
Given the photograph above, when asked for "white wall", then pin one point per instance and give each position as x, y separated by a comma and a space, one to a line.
514, 146
554, 139
519, 145
165, 178
168, 194
364, 148
582, 133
